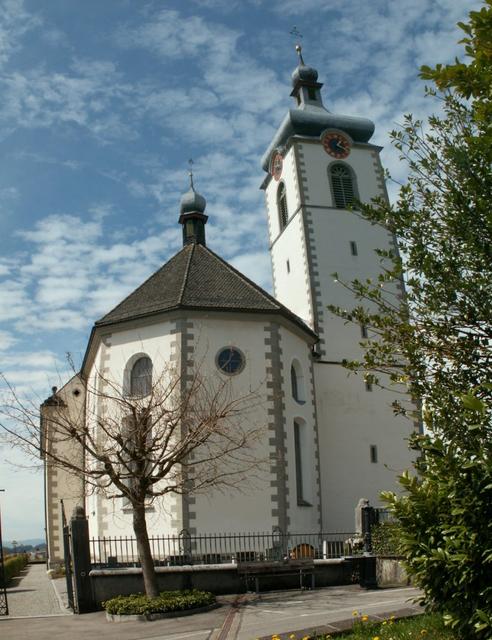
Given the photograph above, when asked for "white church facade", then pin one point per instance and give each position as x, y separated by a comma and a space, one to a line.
331, 438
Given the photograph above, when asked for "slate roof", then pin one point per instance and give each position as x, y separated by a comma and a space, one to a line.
197, 278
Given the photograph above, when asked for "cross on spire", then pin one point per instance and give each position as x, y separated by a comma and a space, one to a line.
190, 173
298, 35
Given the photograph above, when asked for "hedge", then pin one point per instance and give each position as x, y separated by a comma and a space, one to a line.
386, 539
140, 604
13, 565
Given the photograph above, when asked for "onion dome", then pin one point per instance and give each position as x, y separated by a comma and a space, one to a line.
192, 216
304, 73
192, 202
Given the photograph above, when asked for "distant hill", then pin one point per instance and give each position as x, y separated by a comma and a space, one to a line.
32, 541
24, 545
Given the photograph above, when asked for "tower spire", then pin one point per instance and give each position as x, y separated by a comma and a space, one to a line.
192, 216
306, 88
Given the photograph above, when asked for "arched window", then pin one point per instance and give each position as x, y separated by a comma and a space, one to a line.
141, 377
297, 382
283, 214
342, 184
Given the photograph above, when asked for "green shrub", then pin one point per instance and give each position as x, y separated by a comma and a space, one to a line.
386, 539
167, 601
13, 565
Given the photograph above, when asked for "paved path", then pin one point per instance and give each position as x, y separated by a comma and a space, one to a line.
239, 618
32, 594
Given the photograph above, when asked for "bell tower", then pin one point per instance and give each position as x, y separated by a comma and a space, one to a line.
317, 165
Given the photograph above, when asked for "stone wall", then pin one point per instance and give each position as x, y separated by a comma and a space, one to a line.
219, 578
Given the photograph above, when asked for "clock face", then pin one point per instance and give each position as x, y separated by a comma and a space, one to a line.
336, 144
276, 166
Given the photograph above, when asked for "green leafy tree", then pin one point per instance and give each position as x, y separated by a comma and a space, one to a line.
436, 339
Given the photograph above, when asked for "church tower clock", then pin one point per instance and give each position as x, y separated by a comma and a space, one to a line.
318, 164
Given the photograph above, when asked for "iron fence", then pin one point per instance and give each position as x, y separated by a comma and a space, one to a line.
383, 514
185, 549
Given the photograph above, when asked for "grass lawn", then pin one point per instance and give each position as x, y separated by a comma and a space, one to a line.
424, 627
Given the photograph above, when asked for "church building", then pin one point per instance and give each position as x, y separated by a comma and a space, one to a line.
331, 437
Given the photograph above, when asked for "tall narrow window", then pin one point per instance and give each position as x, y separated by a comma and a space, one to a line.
297, 382
141, 377
374, 453
342, 184
353, 248
300, 453
283, 214
363, 331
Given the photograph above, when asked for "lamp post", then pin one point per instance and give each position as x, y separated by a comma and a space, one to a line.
4, 606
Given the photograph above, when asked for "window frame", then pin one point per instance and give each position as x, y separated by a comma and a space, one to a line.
353, 182
237, 371
282, 207
300, 425
136, 381
297, 385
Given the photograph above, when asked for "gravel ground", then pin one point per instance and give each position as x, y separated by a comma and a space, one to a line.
32, 594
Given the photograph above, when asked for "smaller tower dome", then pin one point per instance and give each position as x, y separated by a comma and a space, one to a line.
304, 73
191, 214
192, 202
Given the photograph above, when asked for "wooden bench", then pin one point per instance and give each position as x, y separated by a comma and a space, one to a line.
259, 570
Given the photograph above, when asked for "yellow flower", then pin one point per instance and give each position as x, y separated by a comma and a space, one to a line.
384, 622
292, 636
423, 632
355, 613
376, 638
306, 638
365, 618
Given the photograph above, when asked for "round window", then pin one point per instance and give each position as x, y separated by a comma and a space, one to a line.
230, 360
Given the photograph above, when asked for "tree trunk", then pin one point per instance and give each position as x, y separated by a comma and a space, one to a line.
143, 547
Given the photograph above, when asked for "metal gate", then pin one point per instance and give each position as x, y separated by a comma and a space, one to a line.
68, 558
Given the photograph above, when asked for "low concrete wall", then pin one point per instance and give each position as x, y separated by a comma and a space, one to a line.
390, 572
218, 578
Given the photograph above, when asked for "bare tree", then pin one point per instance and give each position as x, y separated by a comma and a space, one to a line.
180, 435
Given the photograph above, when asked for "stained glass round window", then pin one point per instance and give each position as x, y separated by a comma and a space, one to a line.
230, 360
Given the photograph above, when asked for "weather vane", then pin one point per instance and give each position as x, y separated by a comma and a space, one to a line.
298, 35
190, 173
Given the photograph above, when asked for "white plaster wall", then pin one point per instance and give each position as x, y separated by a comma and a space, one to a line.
250, 509
109, 517
301, 518
316, 161
291, 287
334, 229
350, 419
289, 178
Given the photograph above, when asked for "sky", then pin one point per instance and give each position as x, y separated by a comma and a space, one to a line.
102, 106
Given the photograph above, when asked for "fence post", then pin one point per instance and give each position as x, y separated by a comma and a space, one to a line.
81, 558
368, 579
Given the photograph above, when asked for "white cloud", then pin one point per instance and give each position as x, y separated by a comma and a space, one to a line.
87, 97
15, 23
7, 340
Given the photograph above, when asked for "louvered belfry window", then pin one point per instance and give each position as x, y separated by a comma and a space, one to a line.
343, 186
282, 206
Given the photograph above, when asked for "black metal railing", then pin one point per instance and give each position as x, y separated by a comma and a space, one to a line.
184, 549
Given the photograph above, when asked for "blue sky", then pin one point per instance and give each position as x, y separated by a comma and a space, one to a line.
103, 103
